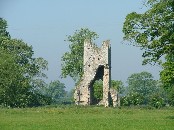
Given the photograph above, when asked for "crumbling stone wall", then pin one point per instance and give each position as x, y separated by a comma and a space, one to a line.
97, 65
115, 98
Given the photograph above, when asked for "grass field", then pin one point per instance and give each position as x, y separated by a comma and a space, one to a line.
86, 118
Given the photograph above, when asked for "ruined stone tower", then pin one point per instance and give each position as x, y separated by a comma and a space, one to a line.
97, 65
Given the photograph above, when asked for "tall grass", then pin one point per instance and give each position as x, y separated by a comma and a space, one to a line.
86, 118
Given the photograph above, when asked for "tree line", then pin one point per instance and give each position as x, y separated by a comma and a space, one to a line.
140, 89
151, 31
21, 75
22, 78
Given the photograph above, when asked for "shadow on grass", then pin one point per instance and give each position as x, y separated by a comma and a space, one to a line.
170, 117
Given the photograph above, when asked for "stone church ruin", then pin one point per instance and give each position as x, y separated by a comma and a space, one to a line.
97, 65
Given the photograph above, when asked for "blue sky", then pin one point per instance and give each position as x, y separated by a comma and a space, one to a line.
44, 24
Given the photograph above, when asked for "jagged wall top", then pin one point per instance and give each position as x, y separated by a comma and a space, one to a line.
96, 55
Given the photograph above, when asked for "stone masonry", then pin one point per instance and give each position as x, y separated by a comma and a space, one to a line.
97, 65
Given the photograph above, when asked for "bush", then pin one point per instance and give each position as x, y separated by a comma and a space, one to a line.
132, 99
156, 101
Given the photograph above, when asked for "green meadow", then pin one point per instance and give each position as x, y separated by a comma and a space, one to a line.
86, 118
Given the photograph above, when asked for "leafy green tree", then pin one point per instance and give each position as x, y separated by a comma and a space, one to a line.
157, 100
9, 73
56, 91
153, 32
69, 99
171, 96
98, 88
29, 71
144, 90
3, 31
98, 91
167, 77
118, 85
19, 71
72, 62
142, 84
132, 99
